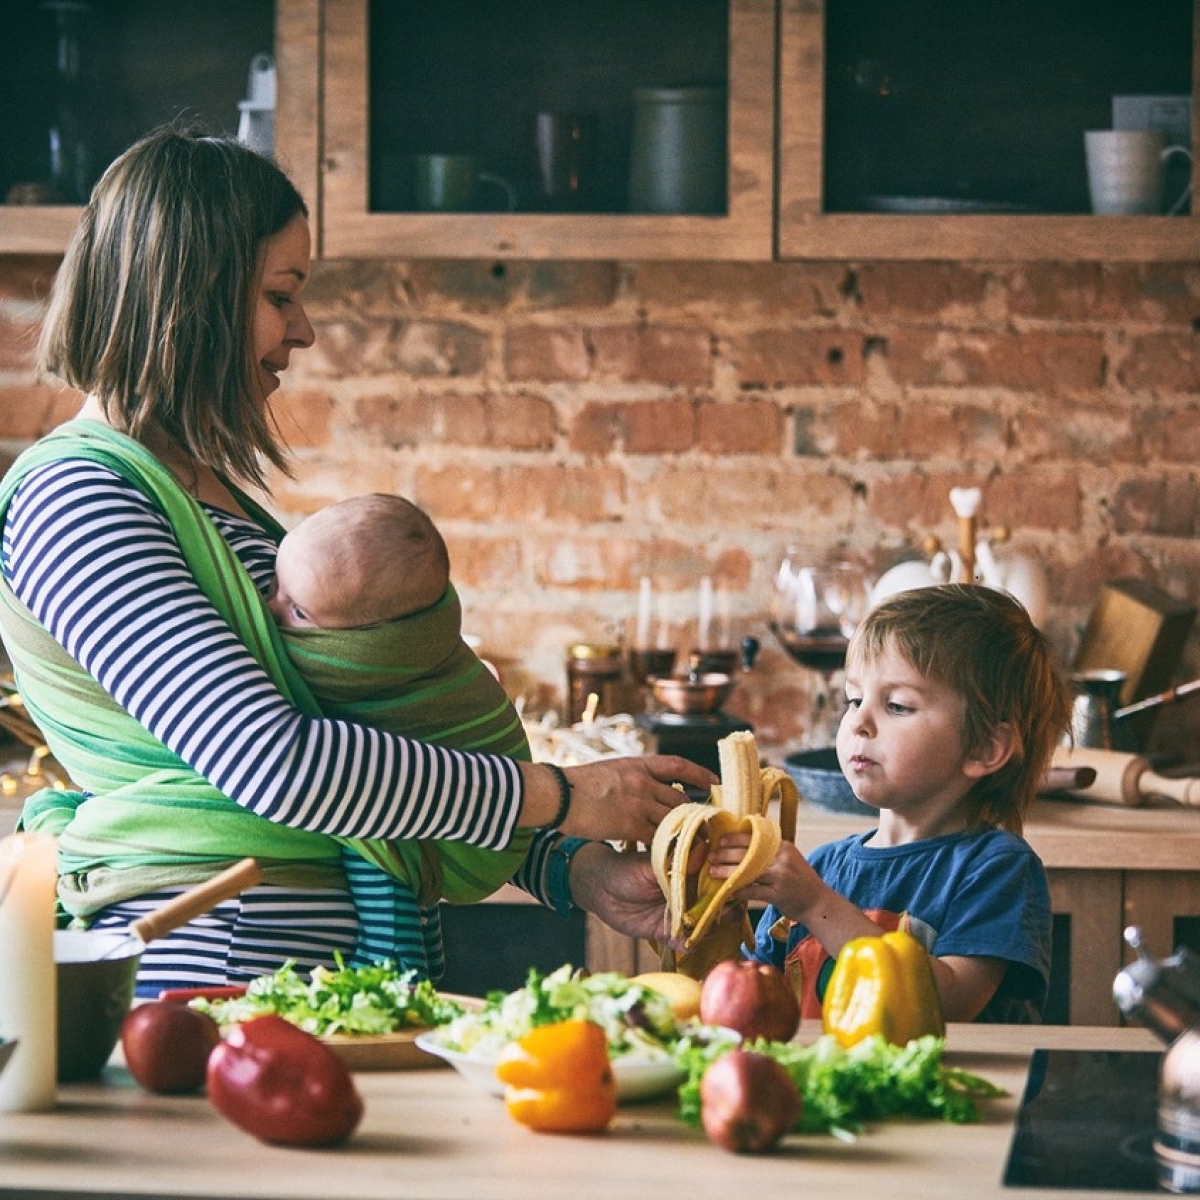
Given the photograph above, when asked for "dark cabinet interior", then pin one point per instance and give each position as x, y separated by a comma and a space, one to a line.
975, 106
470, 76
104, 72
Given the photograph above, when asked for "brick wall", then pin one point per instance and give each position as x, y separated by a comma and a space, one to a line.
573, 427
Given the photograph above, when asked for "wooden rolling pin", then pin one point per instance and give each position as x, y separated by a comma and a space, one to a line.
1125, 778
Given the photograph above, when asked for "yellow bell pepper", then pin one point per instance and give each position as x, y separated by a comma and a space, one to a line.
558, 1078
882, 985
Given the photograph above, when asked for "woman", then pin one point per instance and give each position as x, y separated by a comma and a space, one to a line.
134, 574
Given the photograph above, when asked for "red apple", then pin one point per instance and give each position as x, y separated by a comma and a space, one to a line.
166, 1046
747, 1102
752, 998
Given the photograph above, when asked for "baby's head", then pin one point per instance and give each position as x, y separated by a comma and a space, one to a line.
358, 562
981, 644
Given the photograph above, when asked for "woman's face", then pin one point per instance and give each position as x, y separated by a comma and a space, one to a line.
280, 324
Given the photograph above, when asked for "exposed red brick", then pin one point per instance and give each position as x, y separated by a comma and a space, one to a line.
464, 493
919, 289
774, 357
637, 426
793, 290
1163, 361
751, 427
1169, 432
305, 418
654, 354
27, 277
1042, 362
480, 562
546, 353
559, 492
1166, 506
27, 411
1063, 430
18, 343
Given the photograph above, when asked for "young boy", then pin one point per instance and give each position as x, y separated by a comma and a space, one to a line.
363, 599
954, 709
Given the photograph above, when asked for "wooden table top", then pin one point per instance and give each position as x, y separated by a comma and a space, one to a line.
432, 1135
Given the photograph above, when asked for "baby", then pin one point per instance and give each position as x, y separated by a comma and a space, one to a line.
954, 710
364, 560
366, 610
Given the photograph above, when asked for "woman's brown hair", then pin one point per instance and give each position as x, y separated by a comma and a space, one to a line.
151, 308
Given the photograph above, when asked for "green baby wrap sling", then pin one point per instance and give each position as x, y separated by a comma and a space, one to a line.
149, 820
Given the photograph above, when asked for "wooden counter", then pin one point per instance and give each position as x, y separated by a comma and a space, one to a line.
430, 1134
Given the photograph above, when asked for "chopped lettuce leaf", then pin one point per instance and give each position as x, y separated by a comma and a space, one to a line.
373, 999
842, 1089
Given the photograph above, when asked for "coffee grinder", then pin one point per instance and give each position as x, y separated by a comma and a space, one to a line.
685, 717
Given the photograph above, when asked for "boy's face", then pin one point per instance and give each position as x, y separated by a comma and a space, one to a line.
900, 742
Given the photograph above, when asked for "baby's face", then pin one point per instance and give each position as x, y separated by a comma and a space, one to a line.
289, 597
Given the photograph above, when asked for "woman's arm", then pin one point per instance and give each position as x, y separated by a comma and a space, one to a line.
100, 568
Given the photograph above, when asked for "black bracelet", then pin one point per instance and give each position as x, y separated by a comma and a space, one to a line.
564, 795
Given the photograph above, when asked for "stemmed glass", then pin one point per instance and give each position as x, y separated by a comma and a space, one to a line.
815, 606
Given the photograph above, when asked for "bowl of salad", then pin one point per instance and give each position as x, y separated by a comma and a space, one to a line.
644, 1036
371, 1016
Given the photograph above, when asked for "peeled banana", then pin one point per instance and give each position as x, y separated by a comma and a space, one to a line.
739, 803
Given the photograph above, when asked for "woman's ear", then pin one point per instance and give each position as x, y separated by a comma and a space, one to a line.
996, 750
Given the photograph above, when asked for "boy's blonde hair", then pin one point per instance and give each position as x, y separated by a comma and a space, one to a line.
982, 644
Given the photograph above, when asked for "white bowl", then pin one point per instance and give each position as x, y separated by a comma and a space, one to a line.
637, 1078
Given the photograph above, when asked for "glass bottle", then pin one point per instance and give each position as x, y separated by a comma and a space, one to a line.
68, 136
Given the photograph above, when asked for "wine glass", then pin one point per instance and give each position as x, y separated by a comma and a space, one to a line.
816, 604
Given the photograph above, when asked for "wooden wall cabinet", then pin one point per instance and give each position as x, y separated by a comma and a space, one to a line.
812, 95
918, 126
350, 227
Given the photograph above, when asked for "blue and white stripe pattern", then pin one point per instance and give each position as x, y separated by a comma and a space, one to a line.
98, 565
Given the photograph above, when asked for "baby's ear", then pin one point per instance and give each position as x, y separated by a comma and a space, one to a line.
993, 753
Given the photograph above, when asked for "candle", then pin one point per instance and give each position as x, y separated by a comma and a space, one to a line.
725, 618
706, 612
643, 614
28, 982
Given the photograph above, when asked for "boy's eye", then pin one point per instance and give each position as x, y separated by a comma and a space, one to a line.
894, 706
853, 701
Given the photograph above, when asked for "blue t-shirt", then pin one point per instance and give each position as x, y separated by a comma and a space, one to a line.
980, 893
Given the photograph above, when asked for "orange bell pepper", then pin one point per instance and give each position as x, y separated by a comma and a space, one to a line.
558, 1078
882, 985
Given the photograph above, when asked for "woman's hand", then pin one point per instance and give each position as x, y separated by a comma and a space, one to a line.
621, 890
615, 799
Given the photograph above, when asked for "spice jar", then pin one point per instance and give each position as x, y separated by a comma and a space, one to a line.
592, 669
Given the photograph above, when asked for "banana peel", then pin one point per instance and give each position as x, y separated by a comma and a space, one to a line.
698, 906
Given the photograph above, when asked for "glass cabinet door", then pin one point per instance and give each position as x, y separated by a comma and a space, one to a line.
85, 78
924, 128
598, 128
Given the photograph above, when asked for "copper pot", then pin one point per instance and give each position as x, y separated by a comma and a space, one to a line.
692, 693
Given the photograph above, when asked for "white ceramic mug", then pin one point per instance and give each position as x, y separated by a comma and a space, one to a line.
1126, 171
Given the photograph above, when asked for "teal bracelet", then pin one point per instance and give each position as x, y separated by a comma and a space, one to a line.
558, 884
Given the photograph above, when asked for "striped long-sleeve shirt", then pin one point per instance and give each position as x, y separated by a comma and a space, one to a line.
98, 565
